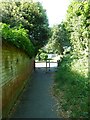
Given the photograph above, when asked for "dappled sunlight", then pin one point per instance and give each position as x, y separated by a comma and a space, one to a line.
38, 53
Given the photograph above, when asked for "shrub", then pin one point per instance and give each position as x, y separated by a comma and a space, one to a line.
73, 87
43, 56
17, 37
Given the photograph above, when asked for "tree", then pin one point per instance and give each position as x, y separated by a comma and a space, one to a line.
9, 12
73, 76
38, 22
31, 16
78, 24
59, 38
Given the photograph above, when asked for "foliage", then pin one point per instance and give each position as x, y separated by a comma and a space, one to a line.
43, 56
59, 38
73, 87
31, 16
17, 37
72, 83
78, 23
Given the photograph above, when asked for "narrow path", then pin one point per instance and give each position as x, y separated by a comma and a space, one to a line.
37, 100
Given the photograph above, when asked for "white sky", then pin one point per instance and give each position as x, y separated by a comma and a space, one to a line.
56, 10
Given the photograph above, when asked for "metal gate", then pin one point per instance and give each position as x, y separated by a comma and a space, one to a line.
45, 64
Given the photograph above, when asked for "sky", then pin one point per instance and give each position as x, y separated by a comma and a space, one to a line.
55, 9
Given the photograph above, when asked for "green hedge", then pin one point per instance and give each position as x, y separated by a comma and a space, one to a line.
18, 37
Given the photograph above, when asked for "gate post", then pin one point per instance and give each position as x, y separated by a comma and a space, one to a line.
46, 65
58, 63
34, 65
49, 65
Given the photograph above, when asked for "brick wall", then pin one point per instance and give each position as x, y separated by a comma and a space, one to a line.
0, 77
16, 68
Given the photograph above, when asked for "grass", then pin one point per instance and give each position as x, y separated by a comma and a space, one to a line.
72, 88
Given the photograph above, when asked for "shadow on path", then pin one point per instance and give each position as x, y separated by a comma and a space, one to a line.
37, 100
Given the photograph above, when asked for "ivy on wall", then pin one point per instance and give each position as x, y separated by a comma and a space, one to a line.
17, 37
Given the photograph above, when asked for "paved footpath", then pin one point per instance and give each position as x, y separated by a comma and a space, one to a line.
37, 100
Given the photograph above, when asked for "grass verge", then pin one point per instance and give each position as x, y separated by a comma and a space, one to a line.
72, 88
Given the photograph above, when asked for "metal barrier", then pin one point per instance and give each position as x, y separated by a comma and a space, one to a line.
45, 64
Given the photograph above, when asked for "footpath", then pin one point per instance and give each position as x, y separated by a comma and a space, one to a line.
37, 100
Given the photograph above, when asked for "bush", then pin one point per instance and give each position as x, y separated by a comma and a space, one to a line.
72, 83
72, 87
17, 37
43, 56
